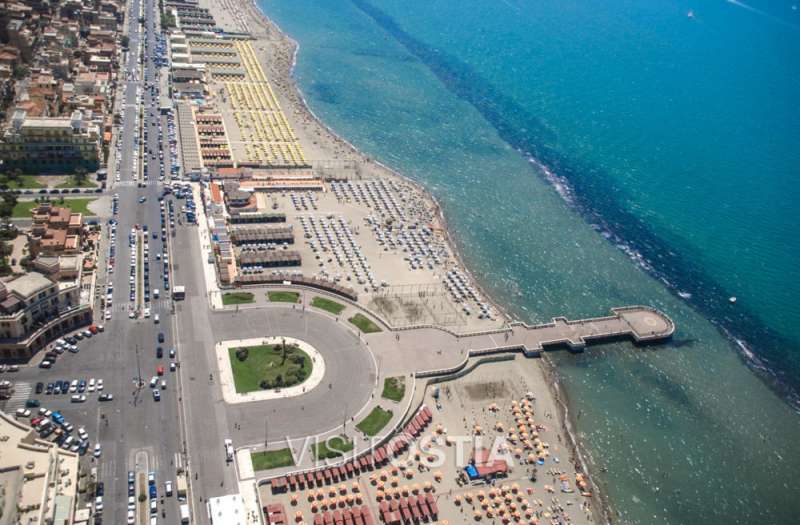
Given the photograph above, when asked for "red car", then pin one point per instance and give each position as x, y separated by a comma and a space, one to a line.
160, 370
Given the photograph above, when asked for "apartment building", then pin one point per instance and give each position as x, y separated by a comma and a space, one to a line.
51, 143
35, 310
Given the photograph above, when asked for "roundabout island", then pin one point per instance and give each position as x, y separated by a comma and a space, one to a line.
259, 369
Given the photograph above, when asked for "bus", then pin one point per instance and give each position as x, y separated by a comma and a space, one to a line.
179, 293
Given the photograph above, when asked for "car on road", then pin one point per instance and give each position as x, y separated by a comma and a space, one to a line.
156, 395
105, 397
32, 403
168, 488
78, 398
172, 366
98, 450
23, 412
172, 353
228, 445
131, 517
39, 387
159, 352
160, 337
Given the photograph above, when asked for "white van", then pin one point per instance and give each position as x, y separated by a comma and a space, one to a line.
156, 319
156, 293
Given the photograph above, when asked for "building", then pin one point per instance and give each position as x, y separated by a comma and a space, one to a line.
39, 481
35, 310
51, 143
55, 231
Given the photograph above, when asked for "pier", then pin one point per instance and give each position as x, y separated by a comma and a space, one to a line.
641, 324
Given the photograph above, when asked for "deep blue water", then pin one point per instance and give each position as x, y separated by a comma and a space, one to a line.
669, 144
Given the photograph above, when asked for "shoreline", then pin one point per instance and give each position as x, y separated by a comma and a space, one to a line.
286, 88
389, 171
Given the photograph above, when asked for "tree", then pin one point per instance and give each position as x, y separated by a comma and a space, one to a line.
242, 353
7, 202
21, 72
80, 175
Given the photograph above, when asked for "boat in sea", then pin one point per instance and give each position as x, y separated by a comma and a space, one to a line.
690, 14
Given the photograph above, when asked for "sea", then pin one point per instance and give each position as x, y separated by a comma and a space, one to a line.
595, 153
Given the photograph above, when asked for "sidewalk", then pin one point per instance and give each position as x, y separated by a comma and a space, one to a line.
210, 274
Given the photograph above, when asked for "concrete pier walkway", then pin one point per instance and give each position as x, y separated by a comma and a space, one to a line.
640, 323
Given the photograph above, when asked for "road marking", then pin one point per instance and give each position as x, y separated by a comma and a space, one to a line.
22, 392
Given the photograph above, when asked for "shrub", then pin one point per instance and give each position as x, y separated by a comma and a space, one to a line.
242, 353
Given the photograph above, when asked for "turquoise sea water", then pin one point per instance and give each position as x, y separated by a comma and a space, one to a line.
671, 156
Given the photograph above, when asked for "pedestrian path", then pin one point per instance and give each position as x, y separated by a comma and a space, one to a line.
22, 392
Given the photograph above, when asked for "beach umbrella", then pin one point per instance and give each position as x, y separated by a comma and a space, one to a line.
293, 499
355, 486
478, 515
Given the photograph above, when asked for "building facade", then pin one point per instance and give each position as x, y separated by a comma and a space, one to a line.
34, 311
37, 144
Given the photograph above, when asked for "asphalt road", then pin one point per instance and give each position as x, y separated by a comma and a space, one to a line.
141, 434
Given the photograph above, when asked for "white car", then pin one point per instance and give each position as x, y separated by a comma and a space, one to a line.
131, 517
78, 398
97, 450
99, 385
168, 488
82, 433
153, 506
131, 503
146, 313
98, 504
23, 412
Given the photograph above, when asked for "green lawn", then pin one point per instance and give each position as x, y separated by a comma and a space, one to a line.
237, 298
332, 448
375, 421
327, 305
80, 205
23, 182
72, 182
268, 459
394, 388
283, 297
266, 363
364, 324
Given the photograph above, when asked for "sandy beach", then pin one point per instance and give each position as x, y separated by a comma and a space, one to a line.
277, 53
